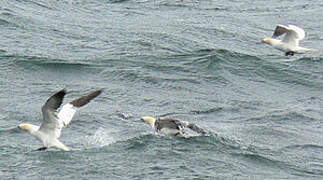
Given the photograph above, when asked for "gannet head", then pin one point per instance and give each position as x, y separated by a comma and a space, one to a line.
148, 120
24, 126
267, 40
28, 127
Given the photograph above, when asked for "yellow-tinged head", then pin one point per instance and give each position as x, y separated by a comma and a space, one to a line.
148, 120
267, 40
24, 126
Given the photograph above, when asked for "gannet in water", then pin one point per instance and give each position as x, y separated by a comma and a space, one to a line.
172, 127
53, 121
290, 43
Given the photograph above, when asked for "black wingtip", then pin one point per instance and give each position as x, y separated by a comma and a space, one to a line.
86, 99
61, 92
197, 129
56, 100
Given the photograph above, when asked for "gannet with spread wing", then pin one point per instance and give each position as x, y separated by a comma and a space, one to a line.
53, 121
290, 43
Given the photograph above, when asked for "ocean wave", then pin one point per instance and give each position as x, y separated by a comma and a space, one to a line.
303, 147
208, 111
202, 142
283, 117
311, 59
4, 22
225, 63
270, 159
214, 59
8, 24
13, 130
104, 137
152, 76
44, 62
118, 1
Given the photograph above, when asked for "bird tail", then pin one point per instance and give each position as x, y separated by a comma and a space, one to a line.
304, 50
57, 144
310, 49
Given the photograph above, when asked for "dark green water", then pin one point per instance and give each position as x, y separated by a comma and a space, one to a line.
199, 61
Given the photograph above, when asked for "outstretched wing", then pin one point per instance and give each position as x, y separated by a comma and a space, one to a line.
280, 30
196, 128
300, 33
67, 112
168, 123
50, 124
54, 121
293, 34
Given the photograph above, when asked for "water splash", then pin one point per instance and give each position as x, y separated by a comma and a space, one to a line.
102, 137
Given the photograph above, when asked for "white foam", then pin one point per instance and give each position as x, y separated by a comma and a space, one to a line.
102, 137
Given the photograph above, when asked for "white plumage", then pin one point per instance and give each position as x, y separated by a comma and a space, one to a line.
53, 121
290, 43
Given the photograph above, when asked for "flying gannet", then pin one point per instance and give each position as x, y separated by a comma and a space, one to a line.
53, 121
170, 126
290, 43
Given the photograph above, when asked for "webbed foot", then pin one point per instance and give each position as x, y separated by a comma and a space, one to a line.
41, 149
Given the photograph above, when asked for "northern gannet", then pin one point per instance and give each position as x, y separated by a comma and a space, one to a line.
290, 43
53, 121
170, 126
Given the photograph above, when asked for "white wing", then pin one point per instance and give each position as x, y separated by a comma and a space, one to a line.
300, 33
51, 124
67, 112
293, 34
